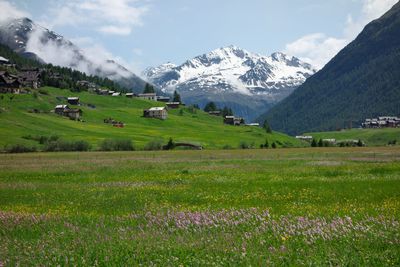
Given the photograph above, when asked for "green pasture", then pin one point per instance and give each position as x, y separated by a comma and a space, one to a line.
17, 121
304, 206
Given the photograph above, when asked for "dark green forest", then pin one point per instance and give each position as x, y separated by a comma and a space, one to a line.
362, 81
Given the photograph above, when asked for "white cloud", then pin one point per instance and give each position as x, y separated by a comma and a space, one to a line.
116, 30
9, 11
98, 54
372, 9
63, 54
137, 51
318, 48
118, 17
110, 17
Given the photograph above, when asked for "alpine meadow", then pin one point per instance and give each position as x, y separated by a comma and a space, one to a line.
204, 133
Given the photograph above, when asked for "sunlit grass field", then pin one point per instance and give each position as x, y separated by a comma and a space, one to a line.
17, 122
328, 206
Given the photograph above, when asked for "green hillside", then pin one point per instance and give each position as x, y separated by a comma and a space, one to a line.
18, 121
362, 81
371, 137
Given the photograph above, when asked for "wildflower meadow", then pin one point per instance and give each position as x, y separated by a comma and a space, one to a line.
318, 207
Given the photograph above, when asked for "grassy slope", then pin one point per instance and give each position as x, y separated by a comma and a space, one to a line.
372, 137
199, 128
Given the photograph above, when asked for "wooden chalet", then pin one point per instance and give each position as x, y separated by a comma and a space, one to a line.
73, 100
64, 110
232, 120
9, 83
30, 78
156, 112
150, 96
163, 98
130, 95
173, 105
215, 113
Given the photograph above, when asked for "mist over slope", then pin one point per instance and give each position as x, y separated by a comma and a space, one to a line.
34, 41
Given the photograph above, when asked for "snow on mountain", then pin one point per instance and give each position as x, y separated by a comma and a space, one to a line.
231, 69
232, 74
34, 41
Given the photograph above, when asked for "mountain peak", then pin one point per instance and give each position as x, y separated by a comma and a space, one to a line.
27, 38
279, 56
232, 71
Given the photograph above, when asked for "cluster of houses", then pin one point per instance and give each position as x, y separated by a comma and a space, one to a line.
382, 122
238, 121
153, 112
149, 96
90, 86
16, 83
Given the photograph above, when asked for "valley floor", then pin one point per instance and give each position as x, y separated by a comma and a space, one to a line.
320, 206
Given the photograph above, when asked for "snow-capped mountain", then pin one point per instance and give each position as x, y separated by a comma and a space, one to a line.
34, 41
248, 82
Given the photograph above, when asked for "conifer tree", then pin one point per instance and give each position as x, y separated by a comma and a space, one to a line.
177, 97
210, 107
267, 127
320, 143
148, 89
314, 143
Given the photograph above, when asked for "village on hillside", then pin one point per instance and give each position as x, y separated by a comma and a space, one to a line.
382, 122
24, 80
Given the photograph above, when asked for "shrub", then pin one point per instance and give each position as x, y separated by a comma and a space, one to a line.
243, 145
391, 143
170, 145
63, 145
155, 144
116, 145
81, 145
226, 147
43, 92
192, 109
42, 139
19, 148
273, 145
266, 145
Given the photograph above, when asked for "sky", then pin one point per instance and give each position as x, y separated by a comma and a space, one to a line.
144, 33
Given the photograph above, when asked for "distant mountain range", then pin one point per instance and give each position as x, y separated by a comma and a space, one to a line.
362, 81
248, 83
33, 41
